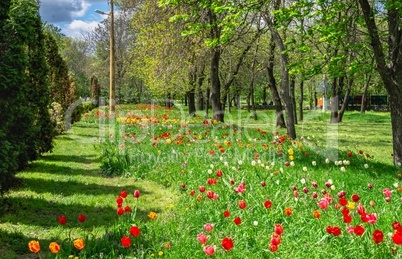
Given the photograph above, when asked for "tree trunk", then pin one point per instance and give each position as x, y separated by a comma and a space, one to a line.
264, 96
335, 100
248, 101
364, 104
293, 98
252, 79
280, 120
301, 101
345, 100
217, 112
168, 102
285, 85
207, 99
391, 73
200, 101
191, 103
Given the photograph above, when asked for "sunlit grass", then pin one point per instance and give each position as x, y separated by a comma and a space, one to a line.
69, 182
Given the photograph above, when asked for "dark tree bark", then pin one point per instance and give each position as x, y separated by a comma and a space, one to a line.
364, 96
301, 100
168, 101
280, 120
391, 72
285, 85
200, 101
345, 100
217, 112
264, 96
95, 91
191, 102
293, 98
207, 99
252, 79
200, 81
335, 99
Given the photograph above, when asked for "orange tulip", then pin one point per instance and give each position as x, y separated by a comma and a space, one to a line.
54, 247
288, 211
34, 246
79, 243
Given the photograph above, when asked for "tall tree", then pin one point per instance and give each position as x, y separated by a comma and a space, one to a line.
389, 63
26, 130
285, 80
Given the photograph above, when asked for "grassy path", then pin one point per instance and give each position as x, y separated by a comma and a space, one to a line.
68, 182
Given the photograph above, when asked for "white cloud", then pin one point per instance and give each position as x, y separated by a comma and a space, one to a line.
80, 8
78, 27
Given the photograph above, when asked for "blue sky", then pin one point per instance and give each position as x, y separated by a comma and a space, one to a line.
74, 17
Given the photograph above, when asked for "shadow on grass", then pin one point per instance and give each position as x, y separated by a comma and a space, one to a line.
39, 212
48, 168
70, 158
69, 187
13, 244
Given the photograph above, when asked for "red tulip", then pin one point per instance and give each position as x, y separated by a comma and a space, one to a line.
227, 243
378, 236
62, 220
226, 214
237, 221
120, 211
347, 218
273, 247
355, 198
135, 231
396, 225
123, 194
343, 201
125, 241
336, 231
81, 218
278, 229
397, 238
242, 204
267, 204
137, 194
358, 230
275, 239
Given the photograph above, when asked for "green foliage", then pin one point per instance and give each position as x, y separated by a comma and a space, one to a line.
62, 86
26, 130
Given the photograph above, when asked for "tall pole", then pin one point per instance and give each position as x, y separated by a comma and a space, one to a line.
112, 94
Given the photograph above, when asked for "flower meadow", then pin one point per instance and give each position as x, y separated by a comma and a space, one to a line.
242, 192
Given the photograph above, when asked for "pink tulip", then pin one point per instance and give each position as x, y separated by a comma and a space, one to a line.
208, 227
371, 218
202, 238
323, 203
136, 193
387, 192
209, 250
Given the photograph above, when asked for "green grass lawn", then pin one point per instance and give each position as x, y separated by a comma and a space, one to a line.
156, 160
68, 182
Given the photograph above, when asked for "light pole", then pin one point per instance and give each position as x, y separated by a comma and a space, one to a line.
112, 93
